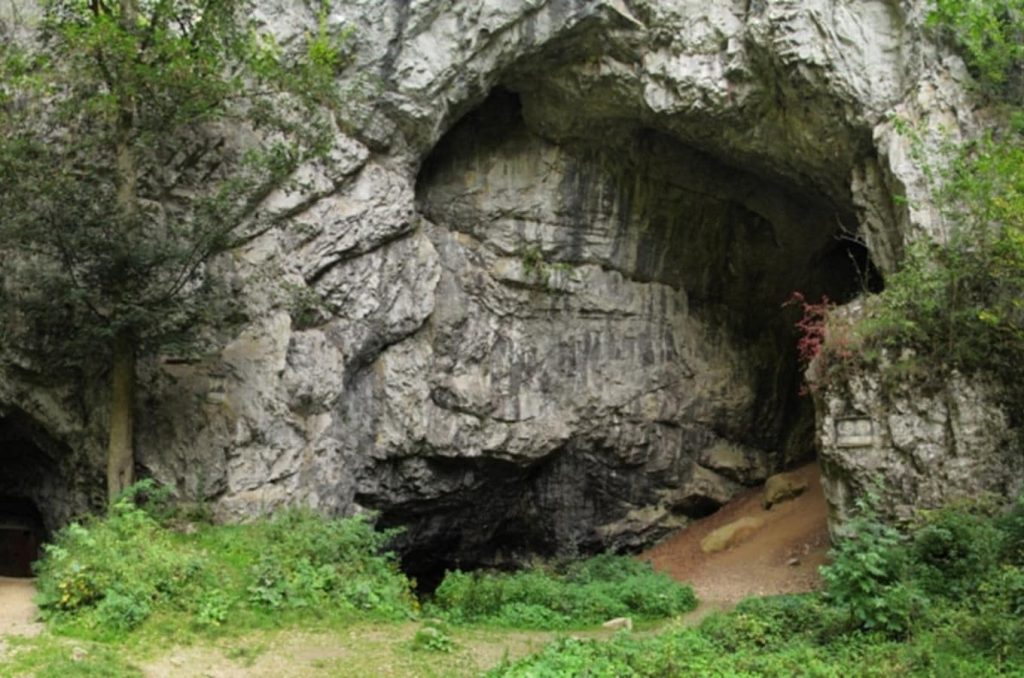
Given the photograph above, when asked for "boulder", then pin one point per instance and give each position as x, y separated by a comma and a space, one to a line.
782, 487
731, 534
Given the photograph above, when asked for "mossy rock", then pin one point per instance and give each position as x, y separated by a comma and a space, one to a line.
782, 487
731, 534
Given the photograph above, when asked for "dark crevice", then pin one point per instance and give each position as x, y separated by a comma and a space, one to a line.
32, 489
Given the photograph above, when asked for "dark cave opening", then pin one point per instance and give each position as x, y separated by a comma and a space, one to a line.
482, 523
640, 203
21, 536
35, 496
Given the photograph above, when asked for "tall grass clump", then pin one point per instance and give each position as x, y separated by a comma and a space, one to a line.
109, 575
584, 593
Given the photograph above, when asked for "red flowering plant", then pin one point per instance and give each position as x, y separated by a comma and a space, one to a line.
823, 342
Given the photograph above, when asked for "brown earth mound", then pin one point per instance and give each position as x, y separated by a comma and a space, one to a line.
781, 556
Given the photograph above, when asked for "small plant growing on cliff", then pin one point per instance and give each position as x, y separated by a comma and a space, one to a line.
811, 326
991, 35
956, 304
138, 139
823, 342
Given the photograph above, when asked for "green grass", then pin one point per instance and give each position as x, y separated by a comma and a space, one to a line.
584, 593
51, 657
947, 599
129, 593
128, 573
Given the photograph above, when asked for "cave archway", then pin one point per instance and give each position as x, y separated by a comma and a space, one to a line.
21, 536
631, 289
37, 494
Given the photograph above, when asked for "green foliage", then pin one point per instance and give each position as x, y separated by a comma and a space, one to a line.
866, 578
137, 141
1012, 527
585, 593
305, 562
433, 637
111, 572
959, 305
967, 598
990, 34
769, 622
953, 549
110, 575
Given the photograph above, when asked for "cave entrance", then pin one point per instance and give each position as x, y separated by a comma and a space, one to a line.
631, 362
21, 536
35, 496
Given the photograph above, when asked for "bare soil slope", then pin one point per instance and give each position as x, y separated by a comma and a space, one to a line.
782, 556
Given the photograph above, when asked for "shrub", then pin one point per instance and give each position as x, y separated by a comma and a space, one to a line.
109, 575
1012, 527
585, 593
433, 637
990, 34
867, 576
952, 550
956, 305
767, 622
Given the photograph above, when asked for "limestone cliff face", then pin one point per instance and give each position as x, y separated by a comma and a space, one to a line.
914, 446
533, 303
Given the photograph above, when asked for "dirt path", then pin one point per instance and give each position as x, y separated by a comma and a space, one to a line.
782, 556
378, 650
17, 611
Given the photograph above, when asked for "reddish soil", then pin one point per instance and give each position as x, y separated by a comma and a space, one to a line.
782, 556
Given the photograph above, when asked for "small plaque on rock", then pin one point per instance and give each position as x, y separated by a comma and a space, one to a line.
855, 432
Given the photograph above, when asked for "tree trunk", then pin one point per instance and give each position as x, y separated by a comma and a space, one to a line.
121, 451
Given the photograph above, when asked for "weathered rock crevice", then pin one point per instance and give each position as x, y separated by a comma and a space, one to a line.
913, 444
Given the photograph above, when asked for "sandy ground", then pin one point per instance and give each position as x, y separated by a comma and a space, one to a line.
17, 611
782, 556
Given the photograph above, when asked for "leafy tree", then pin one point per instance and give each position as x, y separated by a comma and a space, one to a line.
138, 140
990, 34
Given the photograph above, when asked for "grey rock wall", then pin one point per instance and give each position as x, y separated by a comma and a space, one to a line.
915, 446
555, 325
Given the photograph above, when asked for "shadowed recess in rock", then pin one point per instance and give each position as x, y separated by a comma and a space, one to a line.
614, 317
21, 536
36, 482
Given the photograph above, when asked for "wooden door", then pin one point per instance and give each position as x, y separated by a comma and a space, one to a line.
19, 547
